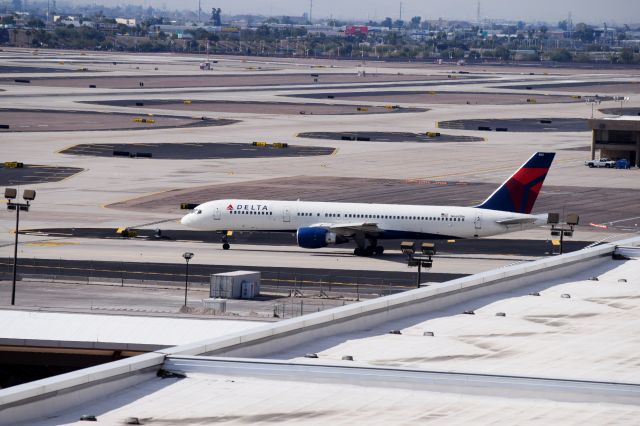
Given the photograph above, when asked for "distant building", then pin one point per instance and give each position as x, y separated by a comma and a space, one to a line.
356, 29
129, 22
616, 138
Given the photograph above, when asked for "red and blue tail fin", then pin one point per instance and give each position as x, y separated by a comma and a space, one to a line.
519, 192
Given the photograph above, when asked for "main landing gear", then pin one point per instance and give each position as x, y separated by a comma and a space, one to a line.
370, 250
225, 242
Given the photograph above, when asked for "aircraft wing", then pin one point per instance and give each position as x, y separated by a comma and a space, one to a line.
349, 229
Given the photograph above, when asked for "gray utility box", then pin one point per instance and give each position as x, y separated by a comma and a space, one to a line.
235, 285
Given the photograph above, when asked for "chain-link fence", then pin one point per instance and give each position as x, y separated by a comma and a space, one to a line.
284, 282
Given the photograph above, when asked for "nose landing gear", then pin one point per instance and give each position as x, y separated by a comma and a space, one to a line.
225, 241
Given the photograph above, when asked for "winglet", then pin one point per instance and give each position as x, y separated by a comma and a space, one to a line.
518, 193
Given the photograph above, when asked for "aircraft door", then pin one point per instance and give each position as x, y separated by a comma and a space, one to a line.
217, 215
477, 224
286, 215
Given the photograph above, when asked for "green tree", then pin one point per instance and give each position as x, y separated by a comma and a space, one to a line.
626, 55
387, 22
35, 23
4, 36
584, 33
560, 55
415, 22
216, 17
502, 52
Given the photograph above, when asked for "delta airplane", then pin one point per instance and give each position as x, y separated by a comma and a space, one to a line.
319, 224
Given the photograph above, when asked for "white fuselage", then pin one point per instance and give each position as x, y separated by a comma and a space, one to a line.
396, 220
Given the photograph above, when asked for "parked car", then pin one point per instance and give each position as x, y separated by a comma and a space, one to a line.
603, 162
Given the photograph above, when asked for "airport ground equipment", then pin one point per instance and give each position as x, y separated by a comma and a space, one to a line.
11, 194
235, 285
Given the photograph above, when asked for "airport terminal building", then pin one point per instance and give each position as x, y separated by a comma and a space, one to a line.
616, 138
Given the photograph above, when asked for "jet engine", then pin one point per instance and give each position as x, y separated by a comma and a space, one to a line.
315, 237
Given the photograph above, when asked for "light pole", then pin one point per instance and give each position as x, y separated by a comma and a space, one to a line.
187, 256
424, 259
11, 194
562, 229
593, 101
621, 99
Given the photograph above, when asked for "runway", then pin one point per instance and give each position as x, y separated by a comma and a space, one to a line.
479, 247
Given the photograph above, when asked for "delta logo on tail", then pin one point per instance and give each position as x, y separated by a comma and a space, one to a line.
519, 193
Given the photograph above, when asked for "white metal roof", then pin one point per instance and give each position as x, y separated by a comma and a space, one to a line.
113, 328
207, 399
594, 334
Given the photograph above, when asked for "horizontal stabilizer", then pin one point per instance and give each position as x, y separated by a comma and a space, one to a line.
516, 221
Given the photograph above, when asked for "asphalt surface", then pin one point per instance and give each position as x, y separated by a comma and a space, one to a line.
32, 174
42, 120
519, 124
435, 97
194, 151
255, 107
17, 69
591, 86
219, 80
507, 247
388, 137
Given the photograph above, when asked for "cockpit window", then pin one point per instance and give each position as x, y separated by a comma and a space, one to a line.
198, 211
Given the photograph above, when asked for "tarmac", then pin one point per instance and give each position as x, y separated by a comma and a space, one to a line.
115, 192
70, 262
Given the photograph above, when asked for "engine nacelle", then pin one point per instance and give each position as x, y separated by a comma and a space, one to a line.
315, 237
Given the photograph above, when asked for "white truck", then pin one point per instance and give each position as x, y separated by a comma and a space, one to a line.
603, 162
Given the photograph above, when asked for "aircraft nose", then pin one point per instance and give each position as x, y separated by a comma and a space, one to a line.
186, 219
